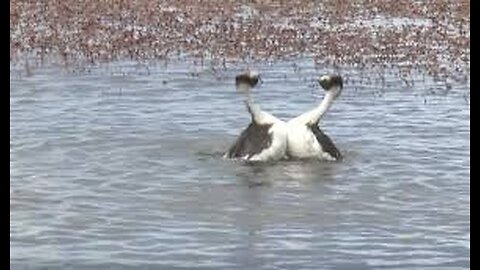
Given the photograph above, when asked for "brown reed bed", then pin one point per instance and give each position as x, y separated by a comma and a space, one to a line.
429, 36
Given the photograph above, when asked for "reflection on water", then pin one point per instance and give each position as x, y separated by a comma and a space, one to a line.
112, 168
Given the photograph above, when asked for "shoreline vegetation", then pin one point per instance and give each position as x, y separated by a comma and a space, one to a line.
431, 37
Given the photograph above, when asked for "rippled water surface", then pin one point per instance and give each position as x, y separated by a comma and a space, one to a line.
120, 166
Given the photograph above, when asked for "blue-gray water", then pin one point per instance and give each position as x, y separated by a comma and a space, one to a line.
120, 166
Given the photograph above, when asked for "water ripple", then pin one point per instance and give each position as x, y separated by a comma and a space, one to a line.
111, 170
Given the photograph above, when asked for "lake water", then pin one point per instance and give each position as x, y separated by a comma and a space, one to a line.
120, 166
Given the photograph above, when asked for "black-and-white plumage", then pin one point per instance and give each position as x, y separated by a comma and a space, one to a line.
305, 139
265, 138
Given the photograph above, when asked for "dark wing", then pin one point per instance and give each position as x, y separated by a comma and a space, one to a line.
326, 142
252, 140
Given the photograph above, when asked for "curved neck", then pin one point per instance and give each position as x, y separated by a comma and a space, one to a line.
313, 116
322, 108
252, 108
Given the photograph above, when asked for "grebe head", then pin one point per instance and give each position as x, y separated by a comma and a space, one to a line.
249, 79
332, 83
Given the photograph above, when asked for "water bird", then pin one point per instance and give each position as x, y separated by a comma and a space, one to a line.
305, 139
265, 138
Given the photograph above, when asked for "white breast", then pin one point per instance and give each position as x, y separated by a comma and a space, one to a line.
302, 143
277, 149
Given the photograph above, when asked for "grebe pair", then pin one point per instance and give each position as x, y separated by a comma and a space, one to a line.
268, 138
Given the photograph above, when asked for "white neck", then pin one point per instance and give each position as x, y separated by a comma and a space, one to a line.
254, 109
313, 116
